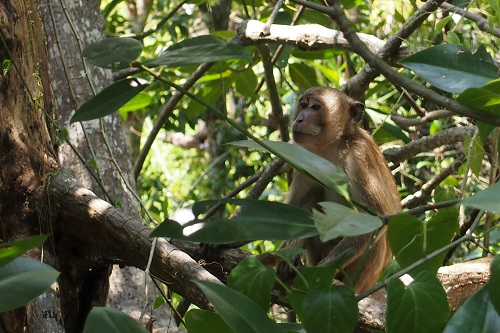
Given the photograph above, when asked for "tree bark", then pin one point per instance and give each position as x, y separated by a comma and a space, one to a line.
26, 146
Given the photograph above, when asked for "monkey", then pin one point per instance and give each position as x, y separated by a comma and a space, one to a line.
325, 123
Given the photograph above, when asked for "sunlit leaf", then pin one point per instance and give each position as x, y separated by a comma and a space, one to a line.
337, 220
106, 320
420, 307
22, 280
238, 311
453, 68
258, 219
11, 250
109, 99
113, 52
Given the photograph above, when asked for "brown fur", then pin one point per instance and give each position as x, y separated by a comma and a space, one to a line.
325, 124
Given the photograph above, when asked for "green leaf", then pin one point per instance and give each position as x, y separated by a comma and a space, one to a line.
412, 239
330, 309
337, 220
307, 278
239, 312
494, 283
109, 99
487, 199
420, 307
253, 280
477, 153
113, 52
486, 98
453, 68
198, 50
477, 314
246, 82
309, 163
200, 321
140, 101
11, 250
303, 75
6, 66
106, 320
22, 280
257, 220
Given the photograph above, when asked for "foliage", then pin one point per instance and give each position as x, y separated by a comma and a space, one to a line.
455, 59
22, 279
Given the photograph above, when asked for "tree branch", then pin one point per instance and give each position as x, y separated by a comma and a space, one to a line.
84, 217
306, 37
338, 15
445, 137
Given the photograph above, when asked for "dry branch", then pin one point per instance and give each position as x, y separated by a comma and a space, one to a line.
445, 137
306, 37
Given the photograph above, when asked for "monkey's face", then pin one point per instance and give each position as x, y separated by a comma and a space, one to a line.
321, 117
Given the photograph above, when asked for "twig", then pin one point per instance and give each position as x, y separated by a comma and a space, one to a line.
406, 123
481, 22
417, 198
165, 113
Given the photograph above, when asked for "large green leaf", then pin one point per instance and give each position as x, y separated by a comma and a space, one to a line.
453, 68
412, 239
257, 220
246, 82
421, 307
200, 321
486, 98
330, 309
11, 250
106, 320
487, 199
241, 313
109, 99
303, 76
198, 50
113, 52
22, 280
337, 220
303, 160
494, 283
251, 278
477, 314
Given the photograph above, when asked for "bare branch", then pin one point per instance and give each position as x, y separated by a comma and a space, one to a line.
445, 137
407, 123
306, 37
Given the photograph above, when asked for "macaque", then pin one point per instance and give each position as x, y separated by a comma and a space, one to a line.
326, 124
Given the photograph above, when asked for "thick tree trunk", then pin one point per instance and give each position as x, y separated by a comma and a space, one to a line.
26, 148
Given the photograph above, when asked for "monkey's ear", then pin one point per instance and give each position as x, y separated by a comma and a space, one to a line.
356, 111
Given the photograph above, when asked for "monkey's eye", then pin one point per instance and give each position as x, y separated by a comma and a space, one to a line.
303, 105
316, 107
